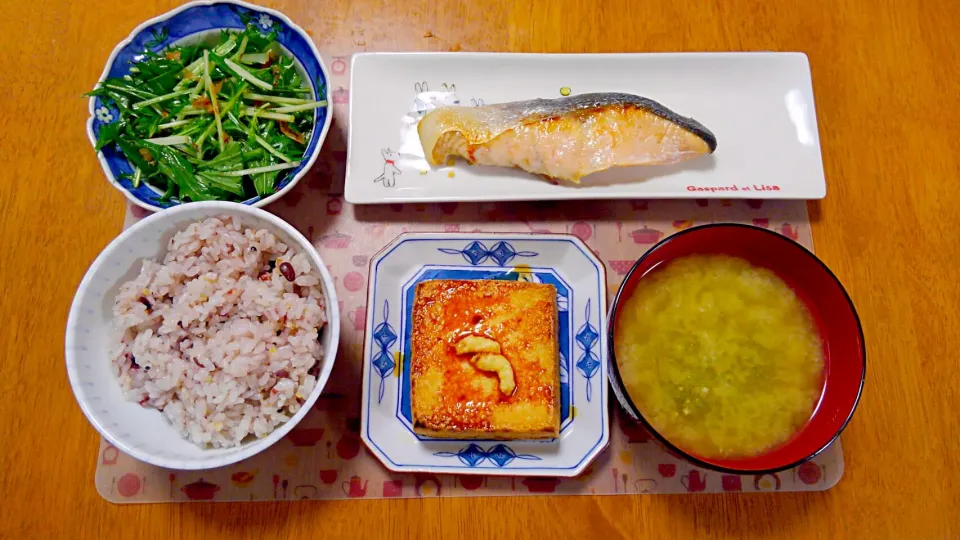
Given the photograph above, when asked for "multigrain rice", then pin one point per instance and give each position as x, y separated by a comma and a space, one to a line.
217, 337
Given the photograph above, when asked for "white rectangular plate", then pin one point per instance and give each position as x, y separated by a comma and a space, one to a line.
561, 260
759, 106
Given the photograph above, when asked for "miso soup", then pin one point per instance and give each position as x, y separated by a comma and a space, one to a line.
720, 356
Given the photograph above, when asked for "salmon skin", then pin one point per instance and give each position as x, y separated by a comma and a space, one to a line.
565, 138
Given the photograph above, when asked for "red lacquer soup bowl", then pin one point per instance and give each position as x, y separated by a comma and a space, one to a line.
828, 302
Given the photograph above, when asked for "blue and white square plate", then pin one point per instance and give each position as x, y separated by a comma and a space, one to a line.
561, 260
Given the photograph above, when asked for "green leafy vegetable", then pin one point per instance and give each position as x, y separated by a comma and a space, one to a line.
179, 171
225, 121
108, 134
230, 184
264, 182
142, 160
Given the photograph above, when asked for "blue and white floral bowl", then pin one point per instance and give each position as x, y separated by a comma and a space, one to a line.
185, 22
559, 259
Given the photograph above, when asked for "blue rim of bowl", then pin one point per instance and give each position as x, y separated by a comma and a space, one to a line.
293, 38
627, 402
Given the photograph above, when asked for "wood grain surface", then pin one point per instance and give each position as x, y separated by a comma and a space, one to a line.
885, 80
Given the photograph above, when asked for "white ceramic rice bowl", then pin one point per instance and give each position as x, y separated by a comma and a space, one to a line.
144, 433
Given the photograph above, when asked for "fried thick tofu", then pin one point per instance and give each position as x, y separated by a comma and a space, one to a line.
484, 360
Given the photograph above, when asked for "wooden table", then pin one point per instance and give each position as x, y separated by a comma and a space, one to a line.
885, 81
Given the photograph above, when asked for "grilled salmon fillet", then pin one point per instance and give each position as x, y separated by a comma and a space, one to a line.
565, 138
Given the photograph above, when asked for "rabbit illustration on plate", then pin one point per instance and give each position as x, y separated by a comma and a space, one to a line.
426, 100
390, 169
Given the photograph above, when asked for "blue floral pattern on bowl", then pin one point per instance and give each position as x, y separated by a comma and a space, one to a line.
500, 455
588, 364
477, 253
190, 20
385, 337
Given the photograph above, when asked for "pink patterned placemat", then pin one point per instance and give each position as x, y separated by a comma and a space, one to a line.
323, 458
